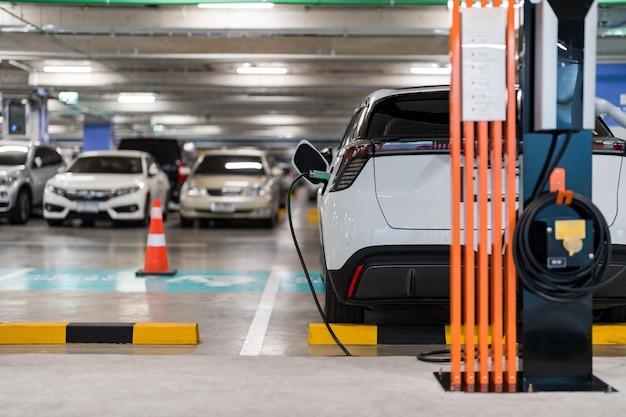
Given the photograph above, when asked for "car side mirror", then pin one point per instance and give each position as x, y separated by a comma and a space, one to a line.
307, 158
277, 172
37, 162
153, 170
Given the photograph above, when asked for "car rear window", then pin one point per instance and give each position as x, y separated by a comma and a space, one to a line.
165, 151
230, 165
410, 116
426, 116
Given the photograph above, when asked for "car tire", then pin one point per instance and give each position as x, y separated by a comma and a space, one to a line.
165, 210
54, 222
20, 213
334, 310
338, 312
147, 209
185, 222
271, 222
614, 315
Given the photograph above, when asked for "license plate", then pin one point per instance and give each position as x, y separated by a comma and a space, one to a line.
87, 207
223, 207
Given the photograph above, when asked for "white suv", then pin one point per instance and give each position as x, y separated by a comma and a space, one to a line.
385, 213
24, 169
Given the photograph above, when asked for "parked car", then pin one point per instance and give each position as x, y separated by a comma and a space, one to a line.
231, 184
176, 156
285, 173
106, 185
24, 169
385, 213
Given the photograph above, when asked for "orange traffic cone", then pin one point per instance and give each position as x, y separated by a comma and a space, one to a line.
156, 252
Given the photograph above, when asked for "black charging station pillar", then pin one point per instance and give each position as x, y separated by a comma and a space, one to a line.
558, 89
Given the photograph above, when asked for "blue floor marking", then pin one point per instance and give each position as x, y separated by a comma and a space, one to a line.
126, 281
297, 282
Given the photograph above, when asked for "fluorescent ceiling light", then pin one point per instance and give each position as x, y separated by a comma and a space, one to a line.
236, 5
136, 98
261, 70
67, 68
430, 70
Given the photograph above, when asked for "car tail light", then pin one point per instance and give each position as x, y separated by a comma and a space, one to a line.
352, 162
609, 145
355, 278
183, 171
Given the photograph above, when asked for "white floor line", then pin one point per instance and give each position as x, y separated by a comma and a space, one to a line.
13, 274
256, 333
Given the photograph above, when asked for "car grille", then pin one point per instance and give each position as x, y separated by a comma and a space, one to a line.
225, 191
88, 195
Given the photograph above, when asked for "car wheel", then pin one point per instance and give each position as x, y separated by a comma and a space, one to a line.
271, 222
338, 312
164, 210
614, 315
145, 221
20, 213
54, 222
185, 222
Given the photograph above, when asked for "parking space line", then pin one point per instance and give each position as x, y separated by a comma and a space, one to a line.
256, 333
14, 274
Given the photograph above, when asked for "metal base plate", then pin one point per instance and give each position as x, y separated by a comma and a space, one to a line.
553, 385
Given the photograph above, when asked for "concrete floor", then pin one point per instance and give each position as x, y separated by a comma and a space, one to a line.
253, 357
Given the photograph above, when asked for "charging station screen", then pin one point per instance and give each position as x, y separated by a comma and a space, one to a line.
17, 118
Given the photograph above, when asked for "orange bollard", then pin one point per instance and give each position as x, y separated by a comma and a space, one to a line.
156, 251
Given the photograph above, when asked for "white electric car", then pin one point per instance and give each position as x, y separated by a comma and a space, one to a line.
385, 212
106, 185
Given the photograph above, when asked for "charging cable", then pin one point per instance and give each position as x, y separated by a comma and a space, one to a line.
320, 175
571, 284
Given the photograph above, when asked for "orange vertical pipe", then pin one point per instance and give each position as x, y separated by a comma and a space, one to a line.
496, 251
455, 162
483, 260
511, 157
469, 273
496, 255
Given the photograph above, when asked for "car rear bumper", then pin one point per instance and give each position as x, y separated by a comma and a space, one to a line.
421, 275
394, 274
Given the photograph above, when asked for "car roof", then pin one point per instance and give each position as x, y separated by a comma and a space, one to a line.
126, 154
388, 92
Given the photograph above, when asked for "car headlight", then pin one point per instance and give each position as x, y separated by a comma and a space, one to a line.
192, 190
7, 180
123, 191
258, 191
56, 190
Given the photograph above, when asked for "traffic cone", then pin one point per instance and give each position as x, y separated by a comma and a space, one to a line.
156, 252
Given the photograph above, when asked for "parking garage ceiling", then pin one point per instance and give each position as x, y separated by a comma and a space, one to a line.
332, 53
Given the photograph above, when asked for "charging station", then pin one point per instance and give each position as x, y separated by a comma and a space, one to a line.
26, 118
562, 243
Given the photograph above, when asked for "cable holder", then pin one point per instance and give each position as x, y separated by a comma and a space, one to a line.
562, 285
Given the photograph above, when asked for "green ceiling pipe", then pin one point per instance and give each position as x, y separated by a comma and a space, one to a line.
299, 2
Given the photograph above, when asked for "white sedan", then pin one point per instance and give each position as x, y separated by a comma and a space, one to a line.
106, 185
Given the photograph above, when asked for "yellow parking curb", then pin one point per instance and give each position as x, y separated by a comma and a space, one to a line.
166, 334
26, 333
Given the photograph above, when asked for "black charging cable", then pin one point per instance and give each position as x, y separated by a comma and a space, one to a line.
568, 284
305, 269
